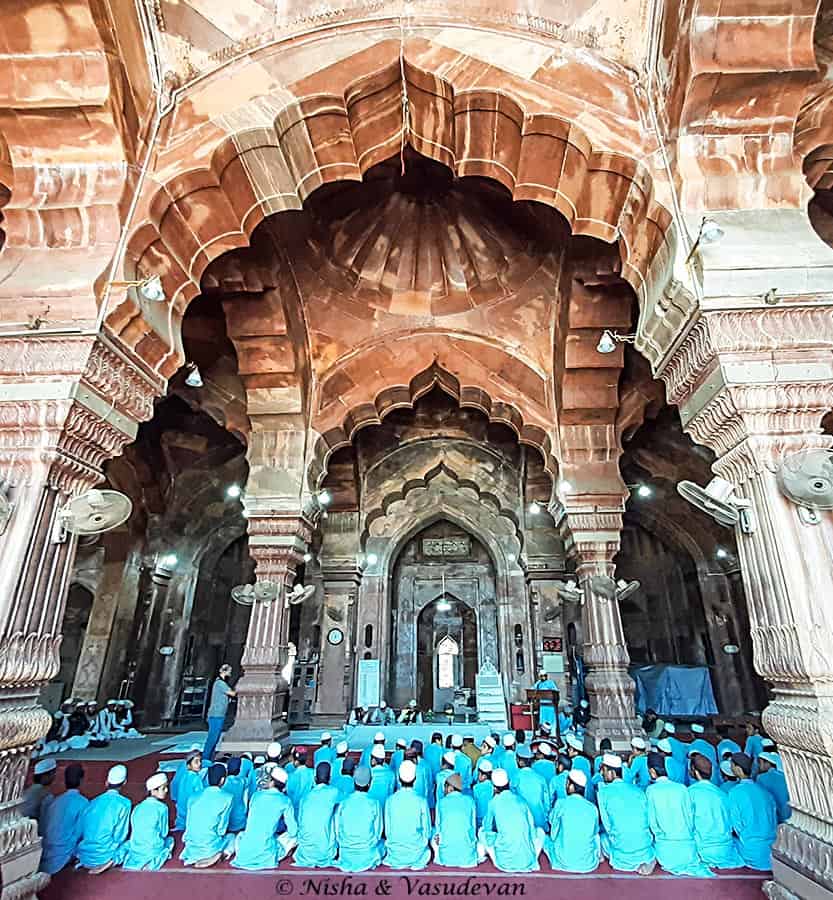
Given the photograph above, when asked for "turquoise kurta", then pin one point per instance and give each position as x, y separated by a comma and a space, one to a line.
754, 821
439, 789
61, 830
236, 786
104, 830
775, 782
359, 833
434, 757
558, 786
299, 784
627, 841
726, 746
533, 788
544, 767
637, 772
677, 771
573, 842
382, 784
407, 831
316, 828
679, 750
456, 828
703, 747
325, 753
483, 792
149, 846
462, 766
424, 782
345, 786
508, 829
206, 826
713, 827
671, 817
190, 784
752, 748
258, 846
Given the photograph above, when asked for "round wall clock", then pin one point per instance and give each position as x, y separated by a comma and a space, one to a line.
335, 636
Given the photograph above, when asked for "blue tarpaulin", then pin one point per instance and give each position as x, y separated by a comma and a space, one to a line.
674, 690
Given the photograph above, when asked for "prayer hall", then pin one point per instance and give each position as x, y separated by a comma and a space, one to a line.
416, 448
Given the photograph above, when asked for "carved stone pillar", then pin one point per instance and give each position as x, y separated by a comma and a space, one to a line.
66, 405
754, 385
277, 544
593, 540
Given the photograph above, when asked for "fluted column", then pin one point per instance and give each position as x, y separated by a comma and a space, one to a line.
66, 406
593, 538
277, 544
769, 374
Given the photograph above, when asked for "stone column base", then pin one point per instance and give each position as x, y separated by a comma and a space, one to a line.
262, 696
19, 874
802, 866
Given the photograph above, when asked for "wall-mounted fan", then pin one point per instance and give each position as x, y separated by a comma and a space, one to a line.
299, 594
94, 512
571, 592
806, 478
249, 594
718, 500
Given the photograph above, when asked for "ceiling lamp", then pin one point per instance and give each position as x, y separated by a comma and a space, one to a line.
194, 379
443, 605
168, 561
372, 559
609, 340
644, 491
565, 487
535, 507
325, 498
720, 553
233, 491
151, 289
709, 233
307, 557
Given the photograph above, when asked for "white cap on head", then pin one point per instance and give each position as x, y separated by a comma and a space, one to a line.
456, 740
545, 749
450, 757
612, 760
485, 765
260, 759
584, 704
274, 749
383, 705
157, 780
341, 748
664, 745
42, 766
768, 744
574, 742
278, 775
326, 736
407, 772
401, 742
578, 777
379, 737
726, 767
697, 728
638, 743
670, 728
377, 752
500, 778
117, 775
489, 741
412, 703
508, 740
769, 757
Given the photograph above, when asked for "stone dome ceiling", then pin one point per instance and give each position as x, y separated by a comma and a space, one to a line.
424, 246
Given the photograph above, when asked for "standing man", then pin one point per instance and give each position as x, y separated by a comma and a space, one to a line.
218, 705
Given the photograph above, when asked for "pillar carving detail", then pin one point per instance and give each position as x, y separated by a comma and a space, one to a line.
277, 544
754, 385
67, 404
592, 538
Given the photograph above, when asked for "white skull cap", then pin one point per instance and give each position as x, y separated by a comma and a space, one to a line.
456, 740
574, 742
326, 736
449, 757
383, 705
584, 704
378, 752
379, 737
274, 749
664, 745
500, 778
155, 781
407, 772
117, 775
508, 740
489, 741
670, 728
578, 777
341, 748
726, 767
697, 728
612, 760
278, 775
485, 765
769, 757
401, 742
545, 749
42, 766
638, 743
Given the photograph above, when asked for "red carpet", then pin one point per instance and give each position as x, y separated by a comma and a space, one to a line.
224, 883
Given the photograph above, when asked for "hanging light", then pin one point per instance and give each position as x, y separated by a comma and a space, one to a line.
606, 343
307, 557
325, 498
720, 553
535, 507
710, 231
565, 487
168, 560
372, 559
644, 491
194, 379
443, 605
151, 289
233, 491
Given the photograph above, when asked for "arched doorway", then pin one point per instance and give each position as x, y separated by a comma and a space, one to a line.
446, 653
444, 617
76, 617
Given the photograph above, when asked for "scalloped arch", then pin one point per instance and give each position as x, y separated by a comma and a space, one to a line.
372, 412
337, 133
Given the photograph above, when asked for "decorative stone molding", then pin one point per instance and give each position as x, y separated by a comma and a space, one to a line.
29, 660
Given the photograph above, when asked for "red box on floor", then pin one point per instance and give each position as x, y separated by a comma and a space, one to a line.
521, 716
